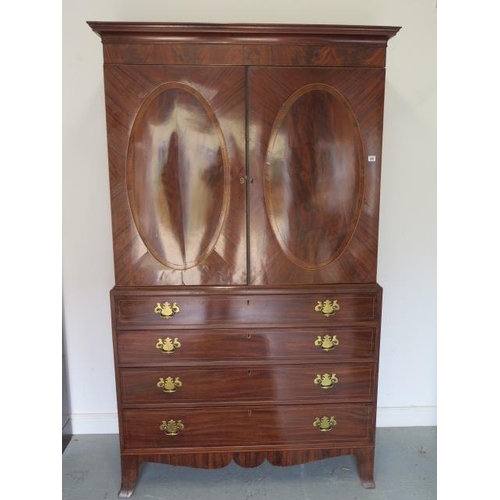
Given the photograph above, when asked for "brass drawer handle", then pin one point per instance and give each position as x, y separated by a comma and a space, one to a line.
166, 310
326, 381
171, 428
327, 307
169, 384
325, 423
327, 342
168, 346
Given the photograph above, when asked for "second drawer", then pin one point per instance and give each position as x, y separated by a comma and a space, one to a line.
143, 347
177, 384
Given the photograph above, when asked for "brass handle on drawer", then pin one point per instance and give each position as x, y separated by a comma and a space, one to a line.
172, 428
168, 346
327, 307
166, 310
327, 342
169, 384
326, 381
325, 423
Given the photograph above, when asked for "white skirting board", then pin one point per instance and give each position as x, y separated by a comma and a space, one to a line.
94, 423
407, 416
404, 416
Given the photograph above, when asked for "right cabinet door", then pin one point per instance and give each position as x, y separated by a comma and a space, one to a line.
315, 138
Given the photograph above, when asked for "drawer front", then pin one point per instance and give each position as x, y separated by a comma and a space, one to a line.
248, 427
327, 382
173, 311
156, 347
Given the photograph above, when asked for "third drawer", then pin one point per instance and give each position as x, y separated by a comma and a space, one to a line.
333, 382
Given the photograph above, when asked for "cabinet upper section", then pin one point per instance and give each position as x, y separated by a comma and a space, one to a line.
244, 154
244, 44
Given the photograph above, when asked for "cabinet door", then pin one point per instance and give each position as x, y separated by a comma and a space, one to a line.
314, 157
176, 143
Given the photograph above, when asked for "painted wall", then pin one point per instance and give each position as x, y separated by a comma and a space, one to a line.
407, 254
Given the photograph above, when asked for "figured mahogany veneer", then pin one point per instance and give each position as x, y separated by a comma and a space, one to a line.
244, 165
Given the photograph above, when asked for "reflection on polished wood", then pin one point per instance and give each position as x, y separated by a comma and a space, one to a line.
178, 175
317, 214
178, 208
313, 176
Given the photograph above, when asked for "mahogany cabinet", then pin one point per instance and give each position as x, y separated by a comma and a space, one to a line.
244, 166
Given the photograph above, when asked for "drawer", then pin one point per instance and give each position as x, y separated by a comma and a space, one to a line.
180, 310
168, 347
295, 383
250, 427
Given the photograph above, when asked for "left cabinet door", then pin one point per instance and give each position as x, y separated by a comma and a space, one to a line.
176, 149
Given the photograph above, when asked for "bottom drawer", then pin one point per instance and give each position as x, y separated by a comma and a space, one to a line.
249, 427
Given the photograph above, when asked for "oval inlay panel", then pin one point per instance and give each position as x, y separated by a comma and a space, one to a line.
178, 175
313, 176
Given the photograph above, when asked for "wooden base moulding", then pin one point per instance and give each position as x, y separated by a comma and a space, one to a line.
132, 463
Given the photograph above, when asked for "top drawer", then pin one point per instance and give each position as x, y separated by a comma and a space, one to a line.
267, 307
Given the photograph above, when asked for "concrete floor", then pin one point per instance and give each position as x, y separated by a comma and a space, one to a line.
405, 469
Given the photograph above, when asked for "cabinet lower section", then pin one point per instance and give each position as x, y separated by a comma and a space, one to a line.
206, 376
